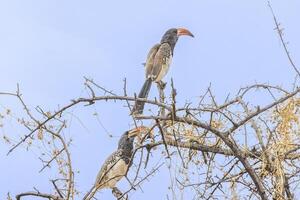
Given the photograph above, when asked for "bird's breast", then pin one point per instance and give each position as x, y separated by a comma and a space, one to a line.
165, 65
113, 175
114, 168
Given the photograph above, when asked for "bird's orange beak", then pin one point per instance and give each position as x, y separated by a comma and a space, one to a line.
183, 31
134, 132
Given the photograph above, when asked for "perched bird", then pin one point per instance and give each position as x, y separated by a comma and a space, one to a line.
116, 165
158, 62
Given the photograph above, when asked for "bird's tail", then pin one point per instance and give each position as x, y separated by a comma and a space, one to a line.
91, 193
139, 105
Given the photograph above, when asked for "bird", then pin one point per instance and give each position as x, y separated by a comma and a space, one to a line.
116, 165
158, 62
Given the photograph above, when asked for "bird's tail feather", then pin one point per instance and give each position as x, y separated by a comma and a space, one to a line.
90, 194
145, 89
139, 105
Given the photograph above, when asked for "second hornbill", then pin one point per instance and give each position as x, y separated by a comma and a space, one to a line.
116, 165
158, 62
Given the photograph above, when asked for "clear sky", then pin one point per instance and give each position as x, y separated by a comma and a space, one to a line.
48, 46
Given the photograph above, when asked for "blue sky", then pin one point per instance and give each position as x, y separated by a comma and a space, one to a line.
48, 46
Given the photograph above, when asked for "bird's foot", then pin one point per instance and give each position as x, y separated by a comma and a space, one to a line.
117, 193
162, 85
135, 113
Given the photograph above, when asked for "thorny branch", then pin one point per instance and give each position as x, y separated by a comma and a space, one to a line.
284, 44
195, 129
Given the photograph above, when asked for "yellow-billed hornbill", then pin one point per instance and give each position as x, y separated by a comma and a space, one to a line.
158, 62
116, 165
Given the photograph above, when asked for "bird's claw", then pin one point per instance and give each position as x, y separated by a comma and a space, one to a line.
162, 85
117, 193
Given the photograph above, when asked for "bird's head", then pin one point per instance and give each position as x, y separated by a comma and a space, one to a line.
128, 137
172, 35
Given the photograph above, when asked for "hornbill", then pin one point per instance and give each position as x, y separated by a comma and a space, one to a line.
116, 165
158, 62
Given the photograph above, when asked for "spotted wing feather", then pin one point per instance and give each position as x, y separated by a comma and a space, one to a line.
113, 169
150, 60
162, 62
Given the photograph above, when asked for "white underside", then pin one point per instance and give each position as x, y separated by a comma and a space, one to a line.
164, 70
115, 173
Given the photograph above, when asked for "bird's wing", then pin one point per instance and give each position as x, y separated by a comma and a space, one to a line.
107, 167
150, 60
162, 61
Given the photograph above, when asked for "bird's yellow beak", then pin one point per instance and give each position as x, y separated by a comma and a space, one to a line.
134, 132
183, 31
